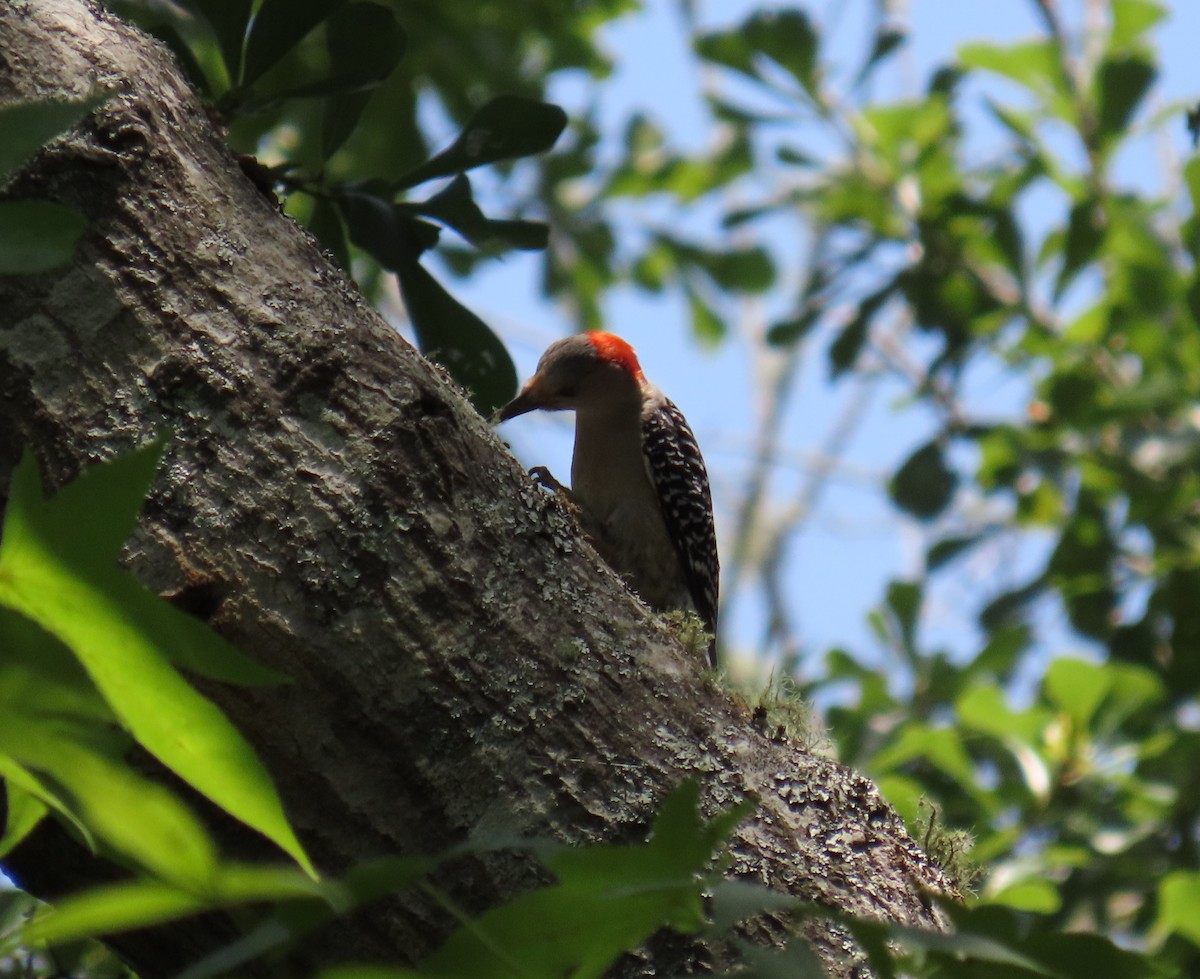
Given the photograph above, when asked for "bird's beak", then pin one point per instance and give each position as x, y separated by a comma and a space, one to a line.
528, 400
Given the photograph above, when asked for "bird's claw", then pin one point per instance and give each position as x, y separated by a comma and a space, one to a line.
542, 476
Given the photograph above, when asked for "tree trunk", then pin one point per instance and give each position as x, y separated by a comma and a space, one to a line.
460, 659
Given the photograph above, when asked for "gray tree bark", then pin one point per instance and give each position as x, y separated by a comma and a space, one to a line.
461, 660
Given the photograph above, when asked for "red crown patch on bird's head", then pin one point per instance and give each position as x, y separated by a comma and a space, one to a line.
614, 350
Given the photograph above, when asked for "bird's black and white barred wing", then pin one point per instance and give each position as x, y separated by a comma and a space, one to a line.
676, 469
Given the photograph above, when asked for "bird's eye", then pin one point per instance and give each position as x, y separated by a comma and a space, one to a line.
567, 392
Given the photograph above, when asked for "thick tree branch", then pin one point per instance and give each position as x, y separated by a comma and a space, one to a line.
460, 659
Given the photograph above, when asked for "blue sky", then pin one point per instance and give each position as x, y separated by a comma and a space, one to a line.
853, 542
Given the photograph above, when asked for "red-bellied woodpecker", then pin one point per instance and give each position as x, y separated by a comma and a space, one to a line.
637, 475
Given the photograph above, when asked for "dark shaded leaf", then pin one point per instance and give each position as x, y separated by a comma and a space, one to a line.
1121, 84
339, 117
326, 224
277, 28
607, 899
25, 127
787, 37
788, 332
454, 206
507, 128
1007, 610
924, 484
449, 333
365, 43
37, 236
849, 343
844, 351
229, 19
947, 549
1083, 238
887, 40
387, 231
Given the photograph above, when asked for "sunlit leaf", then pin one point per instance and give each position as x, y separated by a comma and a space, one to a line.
1132, 18
1179, 904
1037, 65
52, 569
1077, 687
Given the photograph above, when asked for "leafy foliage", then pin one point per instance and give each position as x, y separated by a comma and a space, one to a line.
1076, 774
319, 64
36, 236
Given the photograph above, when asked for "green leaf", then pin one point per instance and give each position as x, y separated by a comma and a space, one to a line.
904, 600
25, 810
228, 19
941, 747
277, 28
1036, 65
37, 236
608, 899
506, 128
1132, 18
325, 223
449, 333
25, 127
887, 40
787, 37
924, 485
31, 785
707, 326
454, 206
985, 709
1037, 896
53, 558
128, 905
111, 909
1179, 905
340, 114
365, 43
1078, 688
787, 333
38, 674
849, 343
139, 819
1121, 84
388, 231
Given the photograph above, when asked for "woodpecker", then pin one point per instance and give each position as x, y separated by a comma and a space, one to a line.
637, 475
